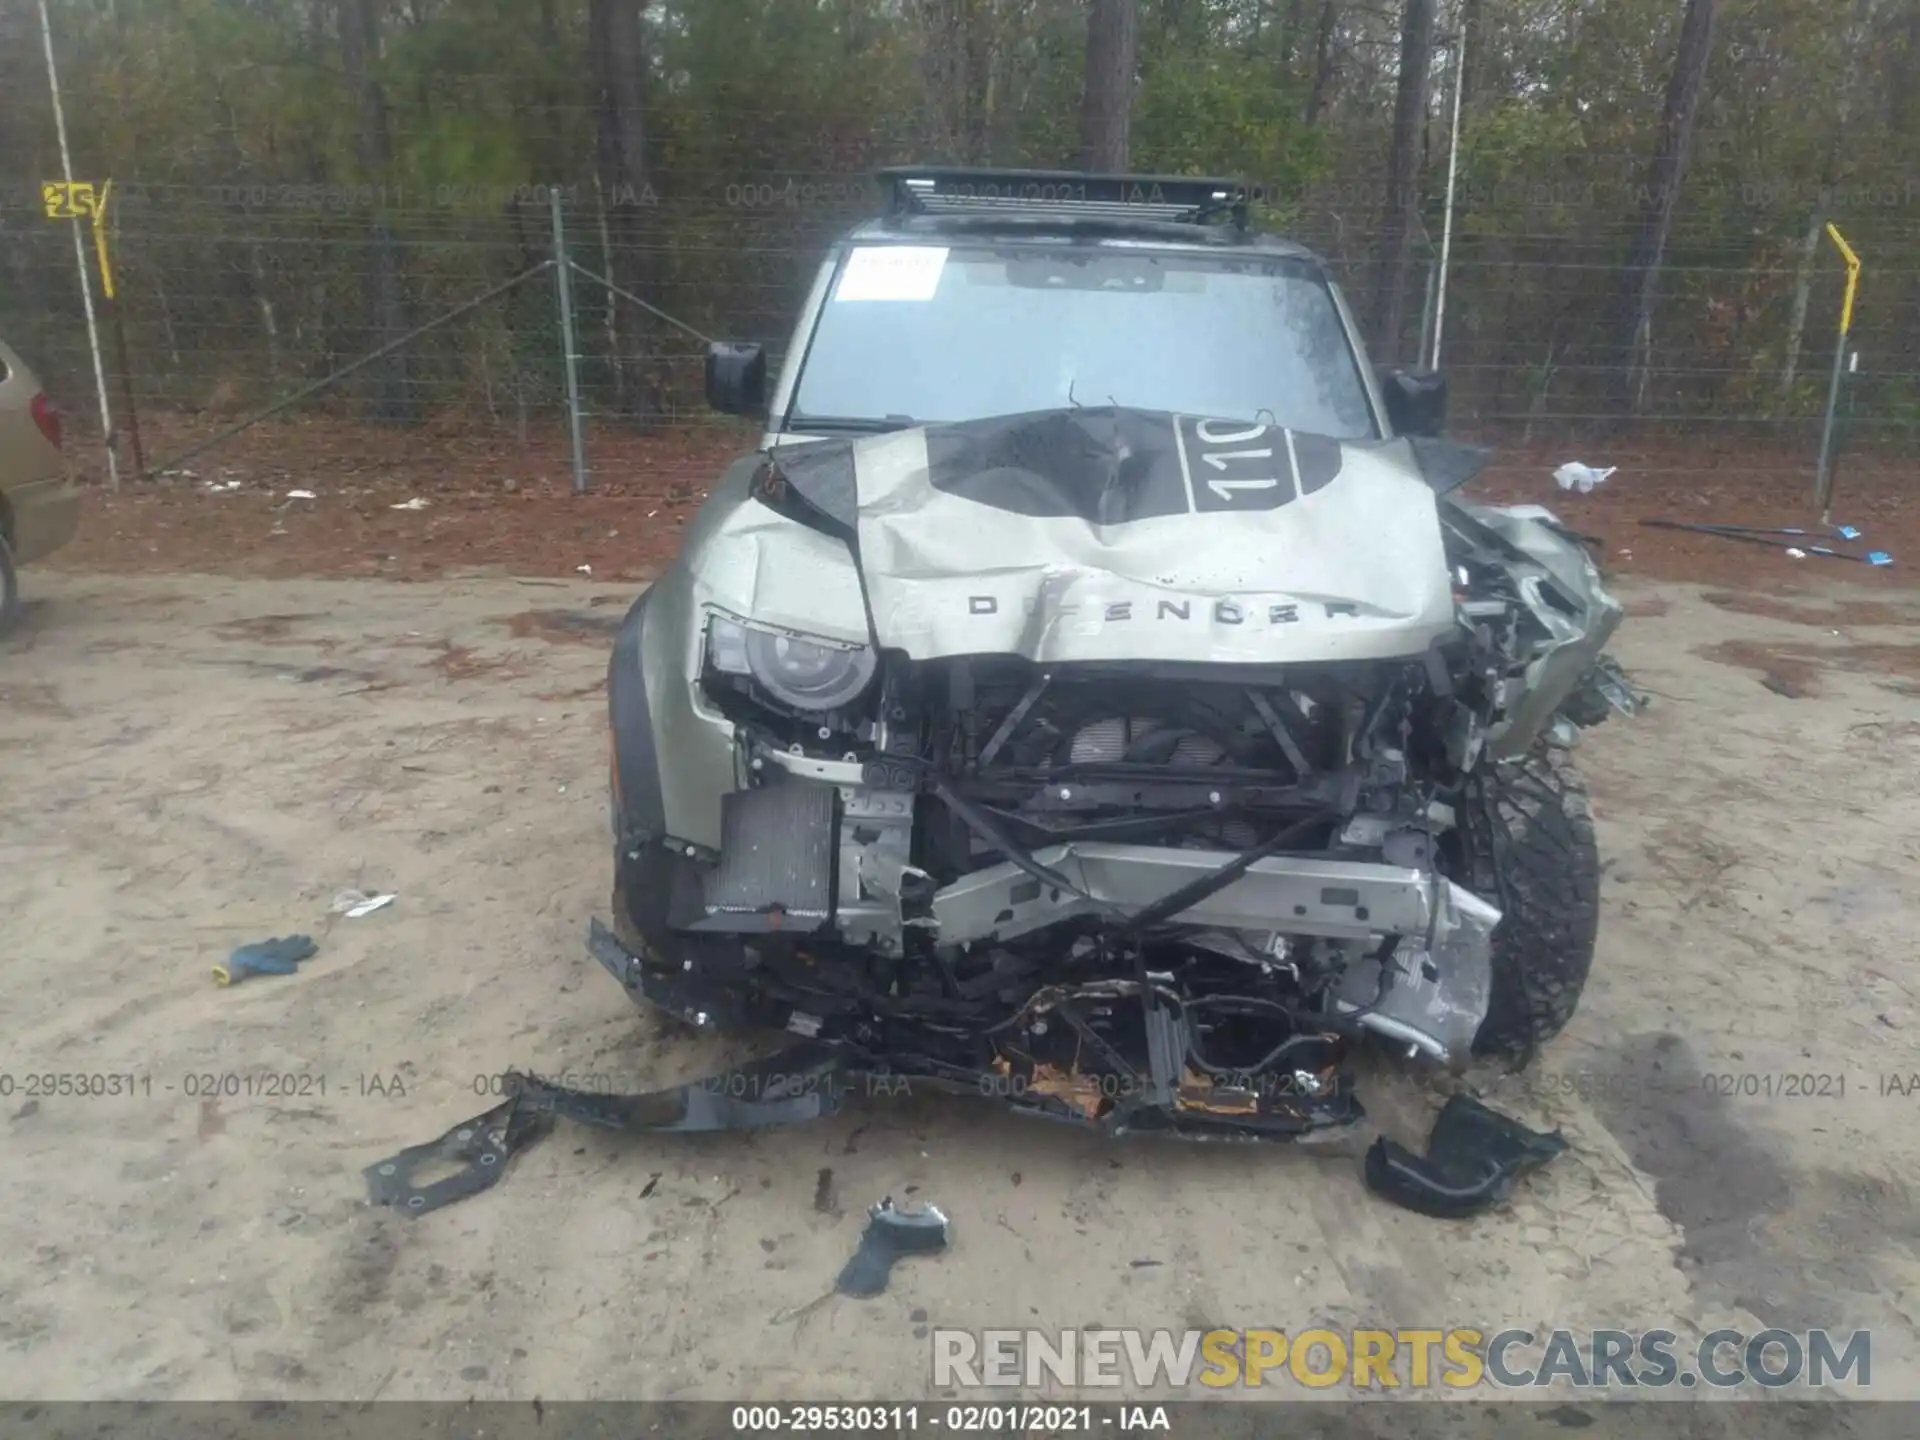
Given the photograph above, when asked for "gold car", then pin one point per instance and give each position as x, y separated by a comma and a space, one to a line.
39, 507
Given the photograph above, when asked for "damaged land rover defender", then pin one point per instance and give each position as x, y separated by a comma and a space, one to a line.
1092, 694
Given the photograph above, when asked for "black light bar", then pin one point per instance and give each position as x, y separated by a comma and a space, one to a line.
1063, 194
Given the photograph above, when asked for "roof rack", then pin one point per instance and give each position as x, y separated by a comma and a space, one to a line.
1063, 194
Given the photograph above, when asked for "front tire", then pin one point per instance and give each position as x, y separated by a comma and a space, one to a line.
1532, 851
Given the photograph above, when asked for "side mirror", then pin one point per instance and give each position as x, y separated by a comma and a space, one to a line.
1416, 400
737, 378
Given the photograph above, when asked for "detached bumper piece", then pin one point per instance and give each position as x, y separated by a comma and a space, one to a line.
1474, 1157
481, 1148
802, 1083
890, 1233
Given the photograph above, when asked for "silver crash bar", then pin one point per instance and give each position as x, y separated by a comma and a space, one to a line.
1334, 898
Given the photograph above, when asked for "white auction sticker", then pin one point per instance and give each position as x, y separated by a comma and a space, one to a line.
892, 272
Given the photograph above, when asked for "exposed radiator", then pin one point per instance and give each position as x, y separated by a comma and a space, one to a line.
1105, 741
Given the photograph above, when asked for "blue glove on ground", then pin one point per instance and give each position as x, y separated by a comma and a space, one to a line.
279, 956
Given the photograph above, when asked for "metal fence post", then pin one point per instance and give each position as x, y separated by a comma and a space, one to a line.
1823, 477
80, 256
1823, 474
562, 280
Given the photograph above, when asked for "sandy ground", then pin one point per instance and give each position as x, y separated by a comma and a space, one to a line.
190, 763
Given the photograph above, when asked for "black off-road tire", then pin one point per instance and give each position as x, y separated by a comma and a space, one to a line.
9, 590
1532, 852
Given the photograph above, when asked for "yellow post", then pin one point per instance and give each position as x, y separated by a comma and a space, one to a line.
1823, 478
98, 205
100, 238
1840, 243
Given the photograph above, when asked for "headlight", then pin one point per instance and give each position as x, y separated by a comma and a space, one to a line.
804, 672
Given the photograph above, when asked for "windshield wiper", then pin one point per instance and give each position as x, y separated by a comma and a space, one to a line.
851, 424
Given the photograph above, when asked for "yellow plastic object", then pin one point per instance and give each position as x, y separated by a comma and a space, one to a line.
100, 238
1853, 275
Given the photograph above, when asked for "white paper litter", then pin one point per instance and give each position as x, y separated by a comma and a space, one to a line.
584, 569
1575, 476
414, 504
355, 903
300, 495
892, 272
1796, 554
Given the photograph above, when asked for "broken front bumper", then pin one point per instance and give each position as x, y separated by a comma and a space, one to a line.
1161, 1096
1474, 1155
1430, 992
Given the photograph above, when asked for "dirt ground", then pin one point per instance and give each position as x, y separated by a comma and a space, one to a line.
192, 762
486, 500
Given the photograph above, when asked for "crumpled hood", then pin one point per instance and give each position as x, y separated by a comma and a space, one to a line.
1115, 534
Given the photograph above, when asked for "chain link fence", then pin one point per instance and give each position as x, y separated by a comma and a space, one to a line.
234, 296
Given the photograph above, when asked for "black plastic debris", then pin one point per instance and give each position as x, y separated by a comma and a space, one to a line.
481, 1148
1474, 1157
890, 1233
799, 1084
803, 1083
